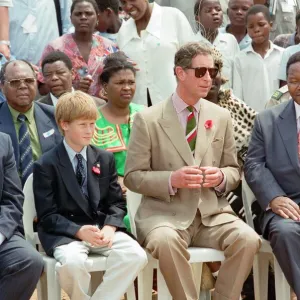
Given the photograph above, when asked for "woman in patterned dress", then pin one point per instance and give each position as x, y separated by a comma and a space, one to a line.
115, 120
84, 47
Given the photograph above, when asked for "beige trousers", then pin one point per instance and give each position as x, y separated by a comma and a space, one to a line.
238, 241
125, 259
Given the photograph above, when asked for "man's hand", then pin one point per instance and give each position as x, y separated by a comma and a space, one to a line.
85, 83
90, 234
121, 183
286, 208
108, 233
4, 49
212, 177
187, 177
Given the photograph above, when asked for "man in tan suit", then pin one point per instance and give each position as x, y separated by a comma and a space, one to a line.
183, 181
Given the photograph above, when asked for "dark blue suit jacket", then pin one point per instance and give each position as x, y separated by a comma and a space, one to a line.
45, 121
11, 196
272, 165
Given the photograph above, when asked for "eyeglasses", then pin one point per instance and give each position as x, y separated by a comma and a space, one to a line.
15, 83
201, 71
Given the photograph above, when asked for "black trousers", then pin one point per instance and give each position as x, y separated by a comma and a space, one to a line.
20, 269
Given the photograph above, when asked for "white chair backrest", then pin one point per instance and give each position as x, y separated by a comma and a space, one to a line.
133, 203
248, 199
29, 212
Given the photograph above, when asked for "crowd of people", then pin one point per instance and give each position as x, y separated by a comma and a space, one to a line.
173, 100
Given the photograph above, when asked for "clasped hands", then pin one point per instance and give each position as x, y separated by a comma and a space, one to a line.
95, 236
286, 208
194, 177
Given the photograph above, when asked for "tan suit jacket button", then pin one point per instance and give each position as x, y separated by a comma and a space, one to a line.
221, 209
174, 214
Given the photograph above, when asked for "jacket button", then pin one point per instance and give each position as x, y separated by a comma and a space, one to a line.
174, 214
221, 209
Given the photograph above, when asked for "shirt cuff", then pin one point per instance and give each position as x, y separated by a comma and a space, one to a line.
222, 186
172, 190
2, 238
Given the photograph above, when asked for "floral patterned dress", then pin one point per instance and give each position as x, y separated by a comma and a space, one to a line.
101, 47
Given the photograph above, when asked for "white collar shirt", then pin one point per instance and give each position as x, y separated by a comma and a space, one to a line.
244, 43
297, 108
228, 46
55, 99
154, 51
288, 52
255, 78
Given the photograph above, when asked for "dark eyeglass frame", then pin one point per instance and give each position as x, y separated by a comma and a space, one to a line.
15, 83
201, 71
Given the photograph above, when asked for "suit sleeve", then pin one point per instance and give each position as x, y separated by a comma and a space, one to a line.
11, 201
228, 164
258, 176
49, 218
116, 210
139, 176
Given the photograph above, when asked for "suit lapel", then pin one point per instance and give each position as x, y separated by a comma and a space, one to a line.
44, 126
173, 129
92, 178
287, 127
70, 181
7, 126
204, 135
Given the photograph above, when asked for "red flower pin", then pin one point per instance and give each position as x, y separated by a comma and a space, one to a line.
96, 169
208, 124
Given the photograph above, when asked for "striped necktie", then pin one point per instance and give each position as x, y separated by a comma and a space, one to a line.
191, 128
26, 158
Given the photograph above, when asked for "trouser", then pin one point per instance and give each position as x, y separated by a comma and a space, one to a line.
125, 259
20, 269
239, 242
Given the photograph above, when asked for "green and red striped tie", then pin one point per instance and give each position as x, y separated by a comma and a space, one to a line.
191, 128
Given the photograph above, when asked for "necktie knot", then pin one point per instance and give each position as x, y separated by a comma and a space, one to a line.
190, 108
79, 157
22, 118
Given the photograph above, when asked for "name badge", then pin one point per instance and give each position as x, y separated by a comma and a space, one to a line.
48, 133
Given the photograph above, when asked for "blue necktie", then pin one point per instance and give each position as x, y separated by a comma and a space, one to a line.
80, 174
26, 158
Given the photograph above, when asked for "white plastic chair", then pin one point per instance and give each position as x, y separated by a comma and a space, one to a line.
197, 257
48, 287
262, 259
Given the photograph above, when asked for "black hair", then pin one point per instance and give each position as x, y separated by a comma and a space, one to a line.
197, 7
297, 16
4, 67
295, 58
55, 56
113, 63
93, 2
105, 4
258, 8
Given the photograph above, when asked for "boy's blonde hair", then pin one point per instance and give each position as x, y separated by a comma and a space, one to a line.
74, 106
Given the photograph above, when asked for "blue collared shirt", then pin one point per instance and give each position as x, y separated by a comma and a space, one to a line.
72, 156
43, 28
244, 43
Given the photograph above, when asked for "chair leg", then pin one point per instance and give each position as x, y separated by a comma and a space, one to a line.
197, 272
282, 288
205, 295
130, 294
261, 276
162, 289
145, 281
42, 288
54, 290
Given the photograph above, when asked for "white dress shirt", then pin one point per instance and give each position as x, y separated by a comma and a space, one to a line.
255, 78
227, 44
5, 3
297, 108
2, 238
154, 51
288, 52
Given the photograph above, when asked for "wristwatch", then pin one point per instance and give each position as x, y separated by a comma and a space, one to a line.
7, 43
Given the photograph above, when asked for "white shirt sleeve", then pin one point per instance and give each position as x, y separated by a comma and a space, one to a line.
185, 32
7, 3
282, 69
237, 79
2, 238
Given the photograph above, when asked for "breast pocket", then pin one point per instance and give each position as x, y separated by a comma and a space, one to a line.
217, 146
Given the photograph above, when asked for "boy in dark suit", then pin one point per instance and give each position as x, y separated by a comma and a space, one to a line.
80, 207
